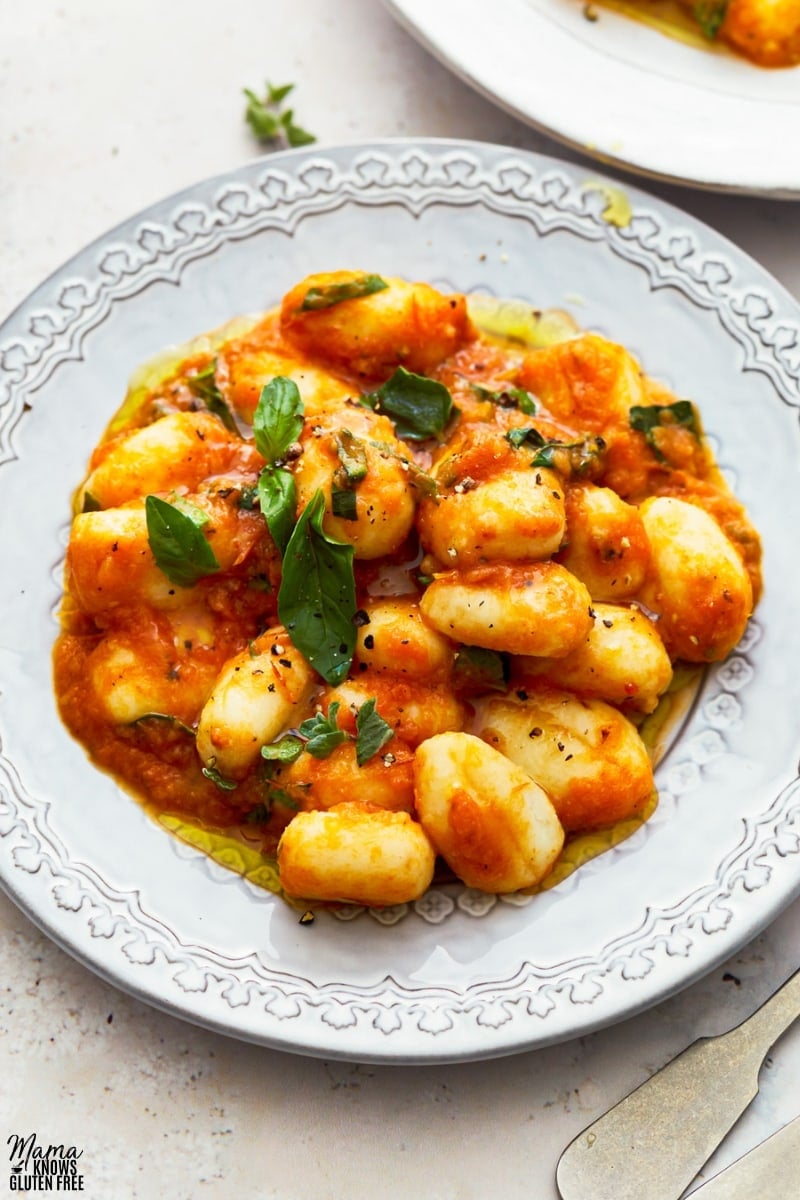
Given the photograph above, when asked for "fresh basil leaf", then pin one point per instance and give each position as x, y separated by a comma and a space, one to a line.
263, 123
204, 386
480, 670
710, 15
225, 785
647, 418
317, 596
322, 734
286, 750
269, 122
177, 543
248, 498
278, 419
372, 732
343, 504
277, 496
276, 94
295, 134
317, 298
420, 407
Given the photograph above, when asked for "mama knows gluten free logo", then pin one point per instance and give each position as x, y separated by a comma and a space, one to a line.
36, 1168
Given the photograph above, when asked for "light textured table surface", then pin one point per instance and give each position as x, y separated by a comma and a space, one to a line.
103, 110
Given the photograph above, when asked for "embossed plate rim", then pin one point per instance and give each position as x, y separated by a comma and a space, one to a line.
108, 923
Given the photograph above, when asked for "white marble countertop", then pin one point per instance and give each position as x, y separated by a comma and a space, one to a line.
105, 109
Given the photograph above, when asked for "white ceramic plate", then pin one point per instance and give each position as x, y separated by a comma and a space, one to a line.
622, 91
458, 975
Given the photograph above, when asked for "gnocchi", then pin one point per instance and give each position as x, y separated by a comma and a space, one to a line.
387, 594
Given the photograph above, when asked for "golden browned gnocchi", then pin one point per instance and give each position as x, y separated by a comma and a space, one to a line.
585, 754
493, 824
378, 592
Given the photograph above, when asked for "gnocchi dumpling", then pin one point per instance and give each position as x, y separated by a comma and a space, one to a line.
622, 659
587, 756
357, 854
397, 324
698, 584
531, 608
493, 825
257, 695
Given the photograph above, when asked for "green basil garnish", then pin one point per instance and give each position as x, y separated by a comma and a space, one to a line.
286, 750
277, 424
159, 716
322, 735
479, 670
317, 298
90, 504
317, 596
204, 386
573, 460
372, 732
420, 407
648, 418
710, 15
351, 470
512, 397
177, 542
278, 419
525, 437
343, 504
277, 496
224, 785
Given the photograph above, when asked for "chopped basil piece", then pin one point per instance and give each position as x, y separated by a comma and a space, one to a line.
317, 298
248, 498
90, 504
420, 407
343, 504
322, 734
512, 397
351, 470
352, 457
204, 386
277, 496
295, 134
573, 460
525, 437
225, 785
258, 815
269, 122
317, 596
648, 418
159, 716
278, 419
710, 15
177, 542
372, 732
286, 750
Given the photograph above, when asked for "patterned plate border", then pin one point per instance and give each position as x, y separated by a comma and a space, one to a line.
109, 928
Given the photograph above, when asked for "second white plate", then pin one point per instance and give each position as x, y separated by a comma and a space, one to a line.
623, 92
